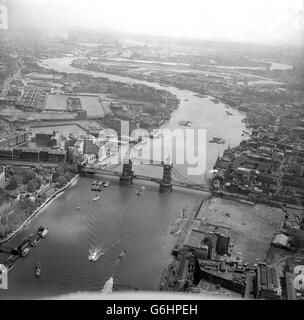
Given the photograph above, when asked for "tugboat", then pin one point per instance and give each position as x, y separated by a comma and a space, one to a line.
38, 270
96, 198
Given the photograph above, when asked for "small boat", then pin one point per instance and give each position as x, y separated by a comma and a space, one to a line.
96, 198
99, 186
140, 147
78, 208
185, 123
122, 255
94, 185
95, 254
229, 113
43, 232
173, 231
141, 190
178, 222
183, 214
155, 134
106, 183
142, 143
38, 270
177, 232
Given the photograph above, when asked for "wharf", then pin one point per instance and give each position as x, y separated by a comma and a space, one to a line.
16, 253
171, 272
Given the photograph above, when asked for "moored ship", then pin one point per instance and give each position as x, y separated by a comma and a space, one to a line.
43, 232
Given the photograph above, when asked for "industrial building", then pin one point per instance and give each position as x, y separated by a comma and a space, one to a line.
230, 275
267, 283
14, 140
207, 241
33, 155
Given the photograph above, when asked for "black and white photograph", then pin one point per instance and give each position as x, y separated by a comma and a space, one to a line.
151, 150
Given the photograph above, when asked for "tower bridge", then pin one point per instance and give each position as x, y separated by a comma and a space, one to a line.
171, 176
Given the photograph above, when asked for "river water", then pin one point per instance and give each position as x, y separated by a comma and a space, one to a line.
120, 220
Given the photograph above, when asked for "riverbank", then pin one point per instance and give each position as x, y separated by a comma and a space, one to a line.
38, 210
165, 81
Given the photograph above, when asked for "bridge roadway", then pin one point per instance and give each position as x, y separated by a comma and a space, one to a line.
175, 183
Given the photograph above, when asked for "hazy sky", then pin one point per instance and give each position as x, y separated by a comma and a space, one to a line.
265, 21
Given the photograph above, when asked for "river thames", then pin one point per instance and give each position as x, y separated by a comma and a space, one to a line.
120, 220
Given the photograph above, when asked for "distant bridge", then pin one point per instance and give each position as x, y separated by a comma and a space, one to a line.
171, 176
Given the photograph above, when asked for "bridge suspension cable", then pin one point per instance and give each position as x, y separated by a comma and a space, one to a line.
181, 176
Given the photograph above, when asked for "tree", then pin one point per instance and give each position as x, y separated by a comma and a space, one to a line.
56, 175
68, 176
62, 181
31, 176
4, 194
32, 186
15, 181
2, 231
10, 171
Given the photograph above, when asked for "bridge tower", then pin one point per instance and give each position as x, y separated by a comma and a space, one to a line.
166, 184
127, 174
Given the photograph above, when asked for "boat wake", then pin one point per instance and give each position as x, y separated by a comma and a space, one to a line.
99, 234
95, 254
